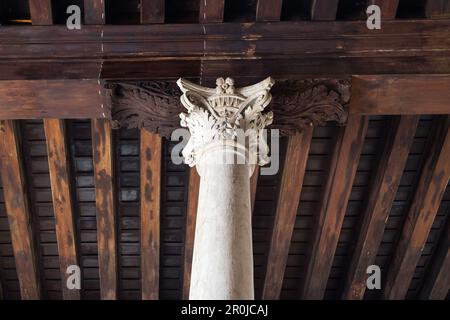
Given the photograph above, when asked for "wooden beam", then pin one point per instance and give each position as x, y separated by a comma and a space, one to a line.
254, 186
437, 9
211, 11
105, 207
150, 161
63, 99
382, 195
324, 9
94, 11
191, 217
269, 10
41, 12
152, 11
58, 163
337, 191
388, 8
422, 212
437, 279
287, 207
17, 209
400, 94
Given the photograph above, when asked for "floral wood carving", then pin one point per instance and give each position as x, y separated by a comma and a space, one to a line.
296, 104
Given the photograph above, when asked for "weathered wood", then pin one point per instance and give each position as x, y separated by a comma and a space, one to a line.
152, 11
287, 207
150, 181
400, 94
254, 186
58, 163
324, 9
41, 12
63, 99
437, 279
211, 11
18, 211
388, 8
94, 11
437, 9
191, 217
105, 207
337, 191
268, 10
382, 195
422, 212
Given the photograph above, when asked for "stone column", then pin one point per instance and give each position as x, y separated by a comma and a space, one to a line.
226, 143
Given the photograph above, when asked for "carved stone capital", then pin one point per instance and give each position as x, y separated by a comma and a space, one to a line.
219, 115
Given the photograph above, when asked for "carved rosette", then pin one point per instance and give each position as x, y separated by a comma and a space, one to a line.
216, 115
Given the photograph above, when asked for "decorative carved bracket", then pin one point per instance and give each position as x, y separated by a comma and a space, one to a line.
296, 104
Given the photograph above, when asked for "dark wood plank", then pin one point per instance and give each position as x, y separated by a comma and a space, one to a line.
41, 12
324, 9
18, 211
150, 181
211, 11
425, 204
105, 207
152, 11
287, 207
94, 11
337, 191
400, 94
62, 99
58, 163
254, 186
382, 195
388, 8
191, 217
269, 10
437, 9
437, 279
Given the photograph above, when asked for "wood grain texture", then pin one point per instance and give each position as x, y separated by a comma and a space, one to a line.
382, 194
18, 211
62, 99
94, 11
388, 8
324, 9
150, 181
344, 162
152, 11
269, 10
41, 12
422, 212
191, 217
58, 163
286, 213
437, 9
400, 94
211, 11
105, 207
254, 186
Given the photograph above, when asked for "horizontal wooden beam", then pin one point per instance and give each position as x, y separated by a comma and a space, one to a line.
94, 11
63, 99
329, 221
58, 163
400, 94
378, 207
150, 181
211, 11
102, 155
269, 10
18, 211
422, 212
280, 49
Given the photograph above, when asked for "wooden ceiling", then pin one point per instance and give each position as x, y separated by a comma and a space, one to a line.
75, 191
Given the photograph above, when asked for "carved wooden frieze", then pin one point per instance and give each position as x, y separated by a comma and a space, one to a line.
296, 104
